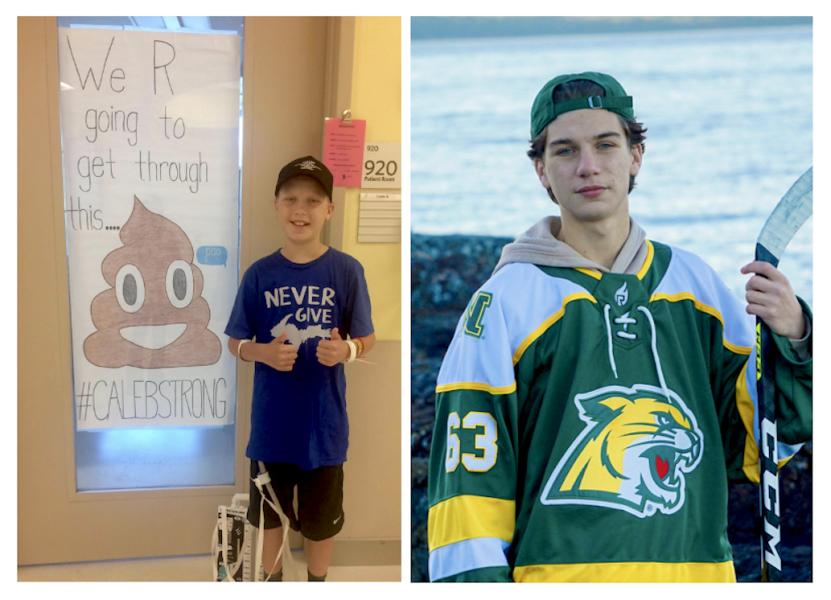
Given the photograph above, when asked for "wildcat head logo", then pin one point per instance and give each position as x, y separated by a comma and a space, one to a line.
633, 455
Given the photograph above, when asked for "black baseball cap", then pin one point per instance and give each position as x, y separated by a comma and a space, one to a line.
310, 167
544, 110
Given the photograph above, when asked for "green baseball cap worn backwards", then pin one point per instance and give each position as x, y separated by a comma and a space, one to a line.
544, 110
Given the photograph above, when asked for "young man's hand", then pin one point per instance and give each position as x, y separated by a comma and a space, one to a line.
279, 355
770, 296
331, 352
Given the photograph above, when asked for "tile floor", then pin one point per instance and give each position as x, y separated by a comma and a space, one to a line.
187, 568
351, 561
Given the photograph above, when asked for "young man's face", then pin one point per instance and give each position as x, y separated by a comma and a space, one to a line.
303, 209
587, 164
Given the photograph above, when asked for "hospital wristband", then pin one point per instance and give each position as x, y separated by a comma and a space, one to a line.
353, 350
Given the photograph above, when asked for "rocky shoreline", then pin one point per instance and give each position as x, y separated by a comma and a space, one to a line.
445, 272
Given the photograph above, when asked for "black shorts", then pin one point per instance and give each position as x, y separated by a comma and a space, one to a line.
319, 499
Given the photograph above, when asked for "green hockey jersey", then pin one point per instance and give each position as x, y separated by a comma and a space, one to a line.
587, 424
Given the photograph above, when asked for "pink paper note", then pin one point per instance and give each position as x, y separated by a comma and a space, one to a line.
343, 150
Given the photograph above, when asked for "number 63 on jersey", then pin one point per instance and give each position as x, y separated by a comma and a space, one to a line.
483, 456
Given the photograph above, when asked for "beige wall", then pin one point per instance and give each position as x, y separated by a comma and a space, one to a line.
374, 388
295, 70
376, 97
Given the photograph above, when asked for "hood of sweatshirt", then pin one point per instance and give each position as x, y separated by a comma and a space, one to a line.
540, 246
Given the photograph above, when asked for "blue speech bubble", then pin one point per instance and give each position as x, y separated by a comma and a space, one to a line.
212, 255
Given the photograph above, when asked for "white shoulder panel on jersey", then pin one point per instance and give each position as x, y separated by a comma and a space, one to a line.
515, 304
688, 274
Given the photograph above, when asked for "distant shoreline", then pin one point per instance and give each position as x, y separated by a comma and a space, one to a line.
438, 28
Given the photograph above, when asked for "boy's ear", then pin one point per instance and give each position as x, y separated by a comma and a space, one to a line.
539, 168
637, 159
331, 210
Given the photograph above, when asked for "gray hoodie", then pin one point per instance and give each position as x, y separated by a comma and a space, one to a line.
540, 246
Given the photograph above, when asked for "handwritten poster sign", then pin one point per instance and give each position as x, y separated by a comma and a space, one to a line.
150, 133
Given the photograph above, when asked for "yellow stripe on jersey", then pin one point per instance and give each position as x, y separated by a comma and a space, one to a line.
466, 517
629, 572
590, 272
647, 262
750, 462
713, 312
477, 386
545, 325
744, 402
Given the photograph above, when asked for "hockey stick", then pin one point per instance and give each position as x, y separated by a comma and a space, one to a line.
792, 211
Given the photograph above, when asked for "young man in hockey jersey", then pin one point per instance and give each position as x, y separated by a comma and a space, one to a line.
599, 391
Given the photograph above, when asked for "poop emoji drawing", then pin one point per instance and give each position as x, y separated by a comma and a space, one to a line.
153, 315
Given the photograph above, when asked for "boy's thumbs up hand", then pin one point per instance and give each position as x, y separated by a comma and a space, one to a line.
279, 355
331, 352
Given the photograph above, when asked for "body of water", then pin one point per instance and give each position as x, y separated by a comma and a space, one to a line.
729, 129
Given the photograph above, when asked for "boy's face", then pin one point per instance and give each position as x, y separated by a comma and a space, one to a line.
303, 209
587, 164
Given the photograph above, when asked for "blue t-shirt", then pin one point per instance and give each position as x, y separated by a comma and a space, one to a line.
299, 416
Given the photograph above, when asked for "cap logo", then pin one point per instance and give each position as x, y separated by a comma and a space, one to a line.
308, 165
